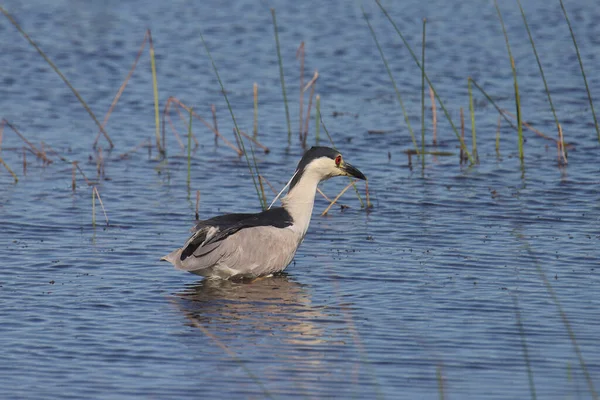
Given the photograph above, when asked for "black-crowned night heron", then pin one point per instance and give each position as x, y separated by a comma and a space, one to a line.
254, 245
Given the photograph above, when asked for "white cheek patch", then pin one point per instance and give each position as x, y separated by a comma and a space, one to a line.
326, 167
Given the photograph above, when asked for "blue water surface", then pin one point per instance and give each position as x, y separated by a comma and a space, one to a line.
463, 281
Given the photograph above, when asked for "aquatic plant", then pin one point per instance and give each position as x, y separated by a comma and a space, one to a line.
515, 82
587, 88
412, 53
394, 85
263, 201
281, 77
423, 96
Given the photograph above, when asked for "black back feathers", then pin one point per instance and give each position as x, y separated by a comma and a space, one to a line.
229, 224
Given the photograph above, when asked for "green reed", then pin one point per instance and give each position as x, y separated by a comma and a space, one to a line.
300, 55
539, 63
160, 148
423, 96
93, 207
236, 131
472, 111
516, 83
389, 71
587, 88
255, 98
260, 184
281, 77
412, 53
489, 98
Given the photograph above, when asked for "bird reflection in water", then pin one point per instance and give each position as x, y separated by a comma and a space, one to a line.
255, 310
269, 328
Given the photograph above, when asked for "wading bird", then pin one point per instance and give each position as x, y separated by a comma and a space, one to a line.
253, 245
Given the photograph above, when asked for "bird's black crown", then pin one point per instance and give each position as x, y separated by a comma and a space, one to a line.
311, 154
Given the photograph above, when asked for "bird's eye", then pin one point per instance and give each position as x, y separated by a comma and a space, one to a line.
338, 160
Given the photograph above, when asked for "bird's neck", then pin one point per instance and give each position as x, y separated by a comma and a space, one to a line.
300, 200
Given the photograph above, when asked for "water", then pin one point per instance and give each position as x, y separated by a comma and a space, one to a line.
434, 281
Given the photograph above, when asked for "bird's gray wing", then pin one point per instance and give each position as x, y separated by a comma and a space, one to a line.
211, 232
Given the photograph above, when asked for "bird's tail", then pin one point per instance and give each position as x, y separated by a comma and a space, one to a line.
172, 257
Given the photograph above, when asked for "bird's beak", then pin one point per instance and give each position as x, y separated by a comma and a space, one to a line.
350, 170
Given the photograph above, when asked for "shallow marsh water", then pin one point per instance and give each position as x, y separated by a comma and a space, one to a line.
426, 294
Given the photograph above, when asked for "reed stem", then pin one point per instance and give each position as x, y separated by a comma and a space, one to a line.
122, 89
352, 182
516, 84
472, 111
587, 88
255, 97
300, 55
101, 204
389, 71
412, 53
560, 144
55, 68
237, 131
161, 149
369, 204
73, 176
539, 63
262, 187
213, 111
9, 170
281, 77
318, 119
94, 206
489, 98
423, 96
263, 198
433, 115
34, 149
199, 118
462, 133
311, 84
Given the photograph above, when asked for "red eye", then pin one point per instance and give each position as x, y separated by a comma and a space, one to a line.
338, 160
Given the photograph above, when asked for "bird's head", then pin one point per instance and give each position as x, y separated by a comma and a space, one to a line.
323, 163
